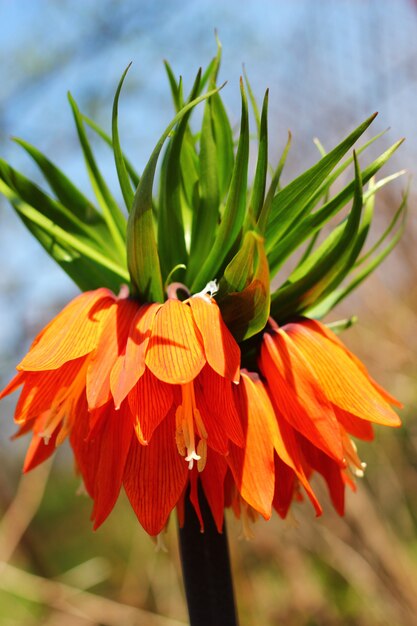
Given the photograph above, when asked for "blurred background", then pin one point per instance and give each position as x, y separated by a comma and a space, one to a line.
329, 64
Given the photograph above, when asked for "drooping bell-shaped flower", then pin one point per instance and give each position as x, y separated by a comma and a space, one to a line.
171, 397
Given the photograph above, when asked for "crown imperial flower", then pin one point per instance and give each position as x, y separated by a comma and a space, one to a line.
169, 396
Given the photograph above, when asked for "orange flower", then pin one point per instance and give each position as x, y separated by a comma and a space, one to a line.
144, 393
319, 393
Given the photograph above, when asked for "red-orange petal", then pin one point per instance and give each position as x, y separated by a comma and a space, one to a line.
149, 401
215, 400
297, 393
175, 353
253, 466
212, 479
323, 330
130, 366
221, 350
39, 451
285, 483
155, 476
41, 388
113, 441
14, 384
71, 334
343, 381
331, 472
111, 344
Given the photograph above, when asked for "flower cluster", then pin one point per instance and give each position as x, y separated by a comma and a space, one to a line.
152, 398
175, 389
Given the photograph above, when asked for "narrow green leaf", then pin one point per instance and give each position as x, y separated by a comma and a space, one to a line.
253, 102
171, 240
206, 214
259, 183
274, 185
244, 289
134, 176
86, 265
121, 169
142, 253
66, 192
340, 325
18, 186
112, 214
289, 203
311, 223
234, 212
308, 280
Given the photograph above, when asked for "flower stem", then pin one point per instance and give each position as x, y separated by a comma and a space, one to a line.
206, 569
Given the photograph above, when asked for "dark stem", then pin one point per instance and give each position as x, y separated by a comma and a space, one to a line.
206, 569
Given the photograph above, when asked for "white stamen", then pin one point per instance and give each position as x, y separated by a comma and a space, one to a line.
191, 457
210, 289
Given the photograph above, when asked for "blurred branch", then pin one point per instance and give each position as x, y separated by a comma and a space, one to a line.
22, 510
76, 602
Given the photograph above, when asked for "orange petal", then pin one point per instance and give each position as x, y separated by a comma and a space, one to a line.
41, 389
216, 403
149, 401
175, 354
344, 382
323, 330
113, 442
297, 393
155, 476
112, 343
285, 484
330, 471
86, 455
71, 334
222, 351
354, 425
130, 366
14, 384
212, 480
39, 451
253, 466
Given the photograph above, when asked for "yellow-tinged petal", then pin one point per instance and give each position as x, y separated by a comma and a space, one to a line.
298, 395
175, 353
130, 366
222, 351
253, 466
343, 381
71, 334
111, 344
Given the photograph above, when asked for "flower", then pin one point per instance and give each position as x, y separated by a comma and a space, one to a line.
142, 392
319, 394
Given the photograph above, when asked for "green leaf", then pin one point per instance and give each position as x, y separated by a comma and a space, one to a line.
134, 176
142, 253
309, 279
234, 212
326, 305
86, 265
171, 240
274, 185
289, 203
312, 223
121, 169
112, 214
244, 289
65, 190
259, 183
95, 234
340, 325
